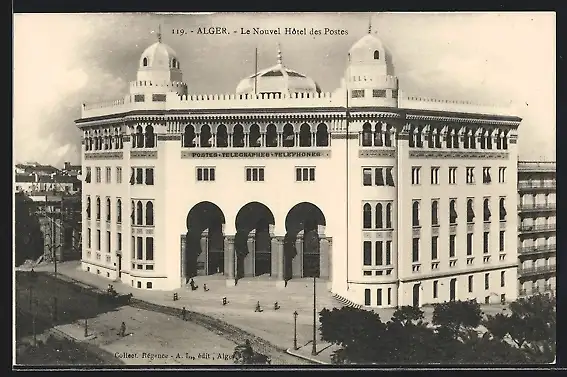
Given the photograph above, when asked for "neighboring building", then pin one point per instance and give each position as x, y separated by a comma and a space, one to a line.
39, 183
71, 170
394, 200
33, 168
537, 243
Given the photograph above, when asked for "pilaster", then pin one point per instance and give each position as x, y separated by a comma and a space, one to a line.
278, 249
250, 258
229, 261
297, 261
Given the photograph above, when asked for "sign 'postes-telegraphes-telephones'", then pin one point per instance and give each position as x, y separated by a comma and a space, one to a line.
252, 154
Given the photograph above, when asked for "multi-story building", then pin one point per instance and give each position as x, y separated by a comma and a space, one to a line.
536, 227
394, 200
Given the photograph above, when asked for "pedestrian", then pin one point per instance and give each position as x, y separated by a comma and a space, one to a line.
123, 330
205, 287
183, 313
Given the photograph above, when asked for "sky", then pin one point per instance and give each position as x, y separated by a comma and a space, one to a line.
64, 60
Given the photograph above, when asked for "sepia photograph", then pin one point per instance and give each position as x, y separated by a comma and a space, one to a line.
264, 190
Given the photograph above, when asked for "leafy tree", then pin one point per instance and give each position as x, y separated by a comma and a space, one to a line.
28, 235
348, 326
408, 314
453, 317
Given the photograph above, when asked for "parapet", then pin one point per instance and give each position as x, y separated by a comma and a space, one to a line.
424, 103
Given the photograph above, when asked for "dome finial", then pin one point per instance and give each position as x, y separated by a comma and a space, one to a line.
370, 25
159, 33
280, 61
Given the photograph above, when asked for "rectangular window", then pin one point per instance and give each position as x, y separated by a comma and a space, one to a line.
88, 238
378, 93
502, 278
378, 253
501, 240
98, 175
357, 93
149, 248
133, 247
486, 237
394, 93
255, 174
158, 97
367, 297
149, 176
470, 283
486, 281
435, 288
452, 175
435, 175
108, 174
118, 174
502, 175
415, 175
367, 253
388, 253
304, 174
119, 241
88, 175
139, 176
452, 246
379, 297
98, 239
389, 296
139, 248
470, 175
469, 243
205, 174
389, 177
415, 250
108, 242
139, 98
434, 255
486, 178
378, 177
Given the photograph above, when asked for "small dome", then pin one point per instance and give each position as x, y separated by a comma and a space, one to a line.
278, 79
370, 50
159, 55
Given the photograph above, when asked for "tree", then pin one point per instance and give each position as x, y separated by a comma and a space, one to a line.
28, 235
453, 317
408, 314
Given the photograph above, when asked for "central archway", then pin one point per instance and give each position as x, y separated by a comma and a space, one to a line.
204, 250
302, 253
253, 240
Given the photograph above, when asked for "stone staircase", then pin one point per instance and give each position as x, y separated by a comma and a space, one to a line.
346, 302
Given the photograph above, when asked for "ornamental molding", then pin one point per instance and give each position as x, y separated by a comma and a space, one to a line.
143, 154
462, 120
104, 156
376, 153
208, 153
459, 154
169, 137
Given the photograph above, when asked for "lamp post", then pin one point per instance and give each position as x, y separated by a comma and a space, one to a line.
314, 348
295, 330
86, 328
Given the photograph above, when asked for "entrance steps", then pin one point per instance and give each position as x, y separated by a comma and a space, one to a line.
346, 302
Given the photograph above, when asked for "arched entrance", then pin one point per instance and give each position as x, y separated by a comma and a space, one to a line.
252, 242
416, 289
204, 248
304, 224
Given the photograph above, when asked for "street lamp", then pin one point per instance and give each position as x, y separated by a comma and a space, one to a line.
86, 327
295, 330
314, 348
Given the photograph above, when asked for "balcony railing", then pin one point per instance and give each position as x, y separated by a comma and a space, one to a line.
537, 270
537, 207
534, 291
536, 228
537, 249
546, 185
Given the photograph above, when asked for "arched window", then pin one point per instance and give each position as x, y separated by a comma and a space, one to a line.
489, 140
271, 136
288, 136
133, 213
379, 223
366, 135
205, 138
435, 212
98, 209
470, 211
349, 57
150, 137
174, 63
139, 137
388, 136
255, 138
389, 216
449, 138
238, 136
376, 55
378, 135
118, 211
455, 139
415, 213
452, 211
189, 136
367, 216
149, 213
305, 135
222, 136
108, 209
322, 135
139, 213
145, 62
487, 213
503, 209
88, 207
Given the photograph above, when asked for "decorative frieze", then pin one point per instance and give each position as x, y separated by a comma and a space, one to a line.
376, 153
103, 156
342, 136
476, 155
143, 154
169, 137
304, 153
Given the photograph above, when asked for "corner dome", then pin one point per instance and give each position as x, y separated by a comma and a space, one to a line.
160, 56
277, 79
371, 50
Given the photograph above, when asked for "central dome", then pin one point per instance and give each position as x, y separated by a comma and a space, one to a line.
277, 79
159, 55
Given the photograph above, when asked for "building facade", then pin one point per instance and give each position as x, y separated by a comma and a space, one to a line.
537, 204
284, 180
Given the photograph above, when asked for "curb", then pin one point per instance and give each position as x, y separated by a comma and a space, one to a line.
308, 358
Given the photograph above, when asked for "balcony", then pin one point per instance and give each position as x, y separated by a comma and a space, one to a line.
536, 228
548, 288
545, 207
541, 249
537, 186
528, 271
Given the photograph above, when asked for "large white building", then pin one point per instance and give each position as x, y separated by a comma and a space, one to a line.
393, 200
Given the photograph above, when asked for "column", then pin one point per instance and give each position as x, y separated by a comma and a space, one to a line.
297, 262
324, 257
198, 140
229, 261
214, 141
203, 256
246, 140
183, 260
278, 250
250, 258
229, 137
313, 139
